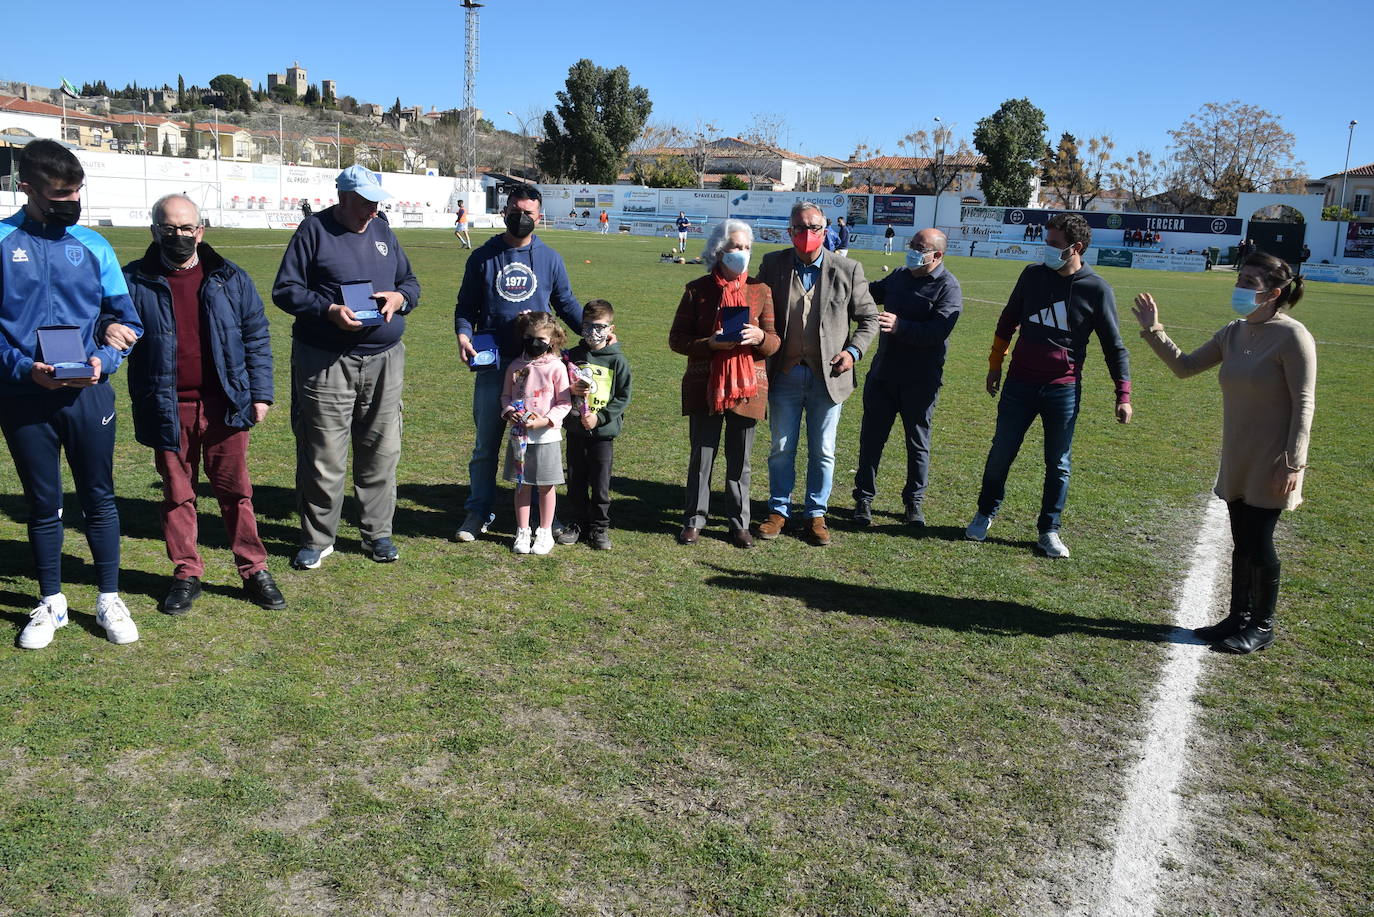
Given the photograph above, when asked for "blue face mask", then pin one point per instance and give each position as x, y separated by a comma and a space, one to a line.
915, 259
1243, 301
1054, 257
736, 261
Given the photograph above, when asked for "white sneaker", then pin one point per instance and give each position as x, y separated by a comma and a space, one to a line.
474, 524
112, 614
1051, 545
44, 622
543, 541
522, 541
978, 529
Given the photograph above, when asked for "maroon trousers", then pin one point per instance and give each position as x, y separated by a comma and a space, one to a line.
224, 449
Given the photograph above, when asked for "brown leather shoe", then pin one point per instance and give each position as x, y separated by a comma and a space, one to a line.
816, 531
772, 527
741, 538
688, 535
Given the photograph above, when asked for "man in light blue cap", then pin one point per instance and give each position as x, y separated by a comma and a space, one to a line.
346, 375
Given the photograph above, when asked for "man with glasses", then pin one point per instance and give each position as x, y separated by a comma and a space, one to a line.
54, 393
199, 381
1057, 305
346, 375
921, 305
508, 275
815, 299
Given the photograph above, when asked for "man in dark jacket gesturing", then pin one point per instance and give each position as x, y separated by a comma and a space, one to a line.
200, 378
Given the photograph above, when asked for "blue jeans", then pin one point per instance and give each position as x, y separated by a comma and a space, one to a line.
788, 396
489, 431
1022, 402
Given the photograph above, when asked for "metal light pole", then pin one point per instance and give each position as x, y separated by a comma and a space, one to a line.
939, 164
1345, 176
469, 144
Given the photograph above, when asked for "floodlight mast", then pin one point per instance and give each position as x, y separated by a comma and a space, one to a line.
469, 142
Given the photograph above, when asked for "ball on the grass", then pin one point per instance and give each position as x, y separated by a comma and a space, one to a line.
884, 268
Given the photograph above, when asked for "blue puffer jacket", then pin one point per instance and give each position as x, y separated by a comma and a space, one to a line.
240, 345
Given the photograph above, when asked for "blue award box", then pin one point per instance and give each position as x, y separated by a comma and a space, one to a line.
488, 355
61, 347
357, 295
732, 322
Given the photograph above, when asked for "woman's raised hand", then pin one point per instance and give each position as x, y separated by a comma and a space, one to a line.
1146, 311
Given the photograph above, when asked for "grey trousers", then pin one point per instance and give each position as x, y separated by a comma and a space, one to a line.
337, 399
704, 431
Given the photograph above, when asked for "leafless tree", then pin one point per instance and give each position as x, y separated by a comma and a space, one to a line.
1075, 171
759, 157
939, 159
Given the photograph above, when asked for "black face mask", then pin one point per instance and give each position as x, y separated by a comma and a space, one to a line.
519, 224
536, 347
177, 249
62, 213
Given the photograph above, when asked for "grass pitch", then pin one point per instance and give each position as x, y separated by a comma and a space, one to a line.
888, 726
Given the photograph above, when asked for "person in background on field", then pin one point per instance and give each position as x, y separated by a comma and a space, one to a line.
535, 398
832, 238
54, 272
920, 307
199, 382
1057, 305
460, 226
888, 235
593, 424
1268, 380
346, 377
605, 220
683, 224
509, 274
725, 385
842, 238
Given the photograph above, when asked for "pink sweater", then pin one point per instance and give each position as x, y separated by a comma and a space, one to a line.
543, 385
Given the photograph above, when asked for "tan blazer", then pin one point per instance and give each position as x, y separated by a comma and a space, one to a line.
842, 295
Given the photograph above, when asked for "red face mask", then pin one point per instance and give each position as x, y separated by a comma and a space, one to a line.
806, 241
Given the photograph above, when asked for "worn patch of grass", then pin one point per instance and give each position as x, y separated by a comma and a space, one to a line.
889, 726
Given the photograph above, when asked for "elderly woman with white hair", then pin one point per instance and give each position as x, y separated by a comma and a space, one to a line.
724, 326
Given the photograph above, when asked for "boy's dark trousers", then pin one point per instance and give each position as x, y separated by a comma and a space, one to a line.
589, 469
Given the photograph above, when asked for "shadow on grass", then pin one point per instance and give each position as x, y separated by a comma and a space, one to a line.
984, 616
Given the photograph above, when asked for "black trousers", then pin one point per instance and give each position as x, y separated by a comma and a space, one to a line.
1252, 534
589, 481
914, 400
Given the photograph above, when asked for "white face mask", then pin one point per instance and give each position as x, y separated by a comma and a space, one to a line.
736, 261
1055, 258
1245, 301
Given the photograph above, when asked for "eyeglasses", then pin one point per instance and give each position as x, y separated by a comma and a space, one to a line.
923, 251
167, 229
594, 327
805, 228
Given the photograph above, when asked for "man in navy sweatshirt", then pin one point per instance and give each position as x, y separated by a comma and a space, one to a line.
510, 274
346, 376
1057, 305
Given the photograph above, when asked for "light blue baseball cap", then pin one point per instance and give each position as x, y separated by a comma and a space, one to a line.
363, 181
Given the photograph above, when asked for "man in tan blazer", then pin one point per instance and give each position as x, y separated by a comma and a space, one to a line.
817, 296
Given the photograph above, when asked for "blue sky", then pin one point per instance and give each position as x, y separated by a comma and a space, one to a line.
839, 74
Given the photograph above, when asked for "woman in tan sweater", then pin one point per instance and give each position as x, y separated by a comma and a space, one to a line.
1268, 381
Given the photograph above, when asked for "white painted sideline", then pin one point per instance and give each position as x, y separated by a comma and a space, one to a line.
1152, 813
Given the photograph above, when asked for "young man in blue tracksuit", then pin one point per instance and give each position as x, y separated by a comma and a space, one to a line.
512, 273
54, 272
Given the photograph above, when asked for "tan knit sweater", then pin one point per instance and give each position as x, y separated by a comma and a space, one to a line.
1268, 380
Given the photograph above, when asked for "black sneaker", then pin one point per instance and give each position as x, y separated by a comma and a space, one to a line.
863, 511
913, 516
263, 592
600, 539
383, 550
570, 534
180, 596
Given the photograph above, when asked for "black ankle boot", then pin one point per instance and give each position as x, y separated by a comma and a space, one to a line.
1242, 591
1258, 634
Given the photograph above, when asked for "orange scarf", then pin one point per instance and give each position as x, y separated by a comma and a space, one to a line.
732, 371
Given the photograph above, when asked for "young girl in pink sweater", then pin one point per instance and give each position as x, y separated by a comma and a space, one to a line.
534, 401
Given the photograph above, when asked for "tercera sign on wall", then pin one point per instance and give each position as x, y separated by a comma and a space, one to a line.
1149, 222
